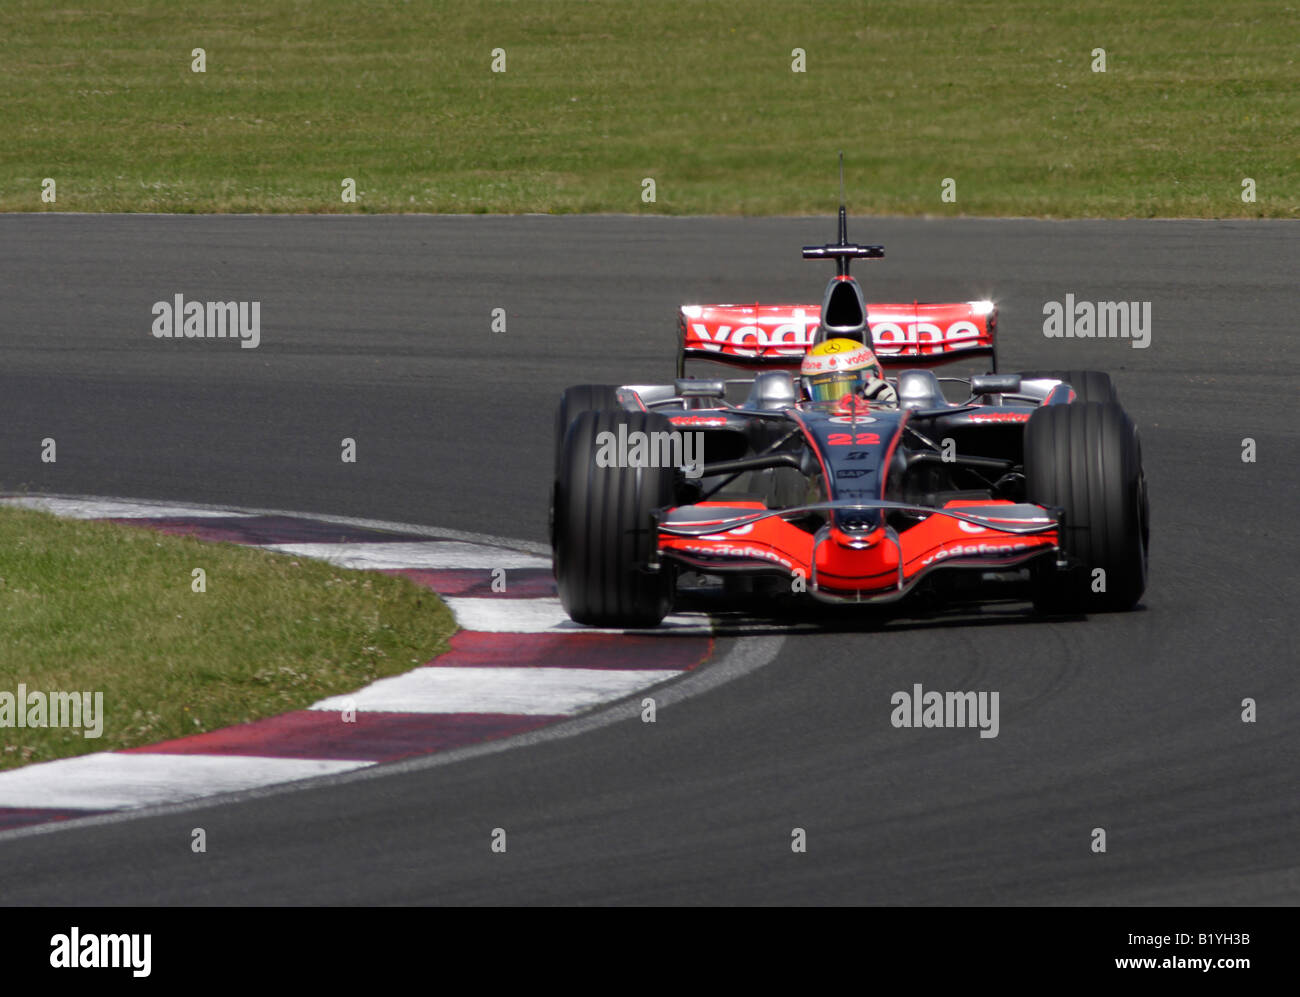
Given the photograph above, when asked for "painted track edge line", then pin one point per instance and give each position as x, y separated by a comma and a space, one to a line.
748, 654
433, 532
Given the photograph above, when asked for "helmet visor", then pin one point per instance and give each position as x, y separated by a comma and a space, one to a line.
834, 385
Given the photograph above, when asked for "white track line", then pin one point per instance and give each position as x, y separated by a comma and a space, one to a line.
546, 615
527, 691
113, 781
205, 509
176, 782
747, 655
93, 508
419, 554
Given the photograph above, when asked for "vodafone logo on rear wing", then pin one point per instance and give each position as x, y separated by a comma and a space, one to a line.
781, 334
754, 331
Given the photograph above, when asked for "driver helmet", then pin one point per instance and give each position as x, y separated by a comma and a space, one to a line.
837, 368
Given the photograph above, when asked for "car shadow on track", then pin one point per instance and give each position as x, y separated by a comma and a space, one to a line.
870, 619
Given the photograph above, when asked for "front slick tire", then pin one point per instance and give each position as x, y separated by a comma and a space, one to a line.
1088, 385
578, 399
604, 531
1086, 458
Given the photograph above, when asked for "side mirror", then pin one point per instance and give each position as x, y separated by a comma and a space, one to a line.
995, 384
690, 387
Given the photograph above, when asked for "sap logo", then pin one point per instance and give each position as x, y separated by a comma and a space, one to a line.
853, 472
890, 337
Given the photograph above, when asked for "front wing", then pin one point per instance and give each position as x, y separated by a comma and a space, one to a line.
842, 565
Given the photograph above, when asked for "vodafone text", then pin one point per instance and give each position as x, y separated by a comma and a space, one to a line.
793, 338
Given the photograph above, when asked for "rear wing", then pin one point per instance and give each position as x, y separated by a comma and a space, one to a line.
915, 335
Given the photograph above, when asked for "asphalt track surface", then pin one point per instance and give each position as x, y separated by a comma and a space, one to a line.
378, 329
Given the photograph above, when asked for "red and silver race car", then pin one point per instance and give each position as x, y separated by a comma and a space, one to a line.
1031, 478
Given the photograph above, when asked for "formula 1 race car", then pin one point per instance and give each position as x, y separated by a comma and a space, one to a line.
1032, 478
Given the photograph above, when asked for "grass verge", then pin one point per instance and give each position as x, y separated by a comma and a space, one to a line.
88, 606
999, 96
